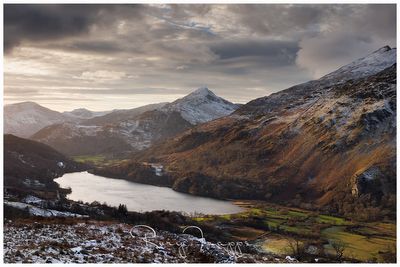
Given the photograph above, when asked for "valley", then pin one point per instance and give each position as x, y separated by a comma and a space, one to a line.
307, 174
276, 229
207, 132
327, 144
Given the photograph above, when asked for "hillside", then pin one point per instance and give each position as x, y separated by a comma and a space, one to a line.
322, 144
26, 118
120, 115
84, 114
30, 165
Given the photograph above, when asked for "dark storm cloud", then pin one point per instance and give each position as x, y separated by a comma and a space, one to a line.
377, 19
97, 47
42, 22
277, 19
281, 52
241, 51
184, 11
354, 32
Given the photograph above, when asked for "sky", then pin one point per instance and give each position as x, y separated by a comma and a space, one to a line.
104, 57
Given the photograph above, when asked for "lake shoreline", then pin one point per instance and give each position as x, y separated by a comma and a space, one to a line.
137, 195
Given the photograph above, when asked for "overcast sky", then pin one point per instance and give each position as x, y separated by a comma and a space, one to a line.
122, 56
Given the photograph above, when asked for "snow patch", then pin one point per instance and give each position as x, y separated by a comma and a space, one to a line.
35, 211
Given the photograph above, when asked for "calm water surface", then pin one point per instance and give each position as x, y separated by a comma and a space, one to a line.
139, 197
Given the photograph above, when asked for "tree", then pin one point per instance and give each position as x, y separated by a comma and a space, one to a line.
339, 248
122, 210
296, 248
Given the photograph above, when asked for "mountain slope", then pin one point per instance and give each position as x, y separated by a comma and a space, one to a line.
124, 131
298, 94
121, 115
320, 144
26, 118
75, 139
31, 165
83, 113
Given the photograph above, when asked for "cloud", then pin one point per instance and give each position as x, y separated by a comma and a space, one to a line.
347, 36
42, 22
150, 49
279, 19
323, 54
102, 75
273, 52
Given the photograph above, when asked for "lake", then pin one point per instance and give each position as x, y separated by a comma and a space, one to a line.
139, 197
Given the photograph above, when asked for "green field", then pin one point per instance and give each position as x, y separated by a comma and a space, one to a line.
276, 225
97, 160
362, 247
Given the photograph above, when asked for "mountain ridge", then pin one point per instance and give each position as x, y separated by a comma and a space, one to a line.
138, 128
294, 95
25, 118
328, 145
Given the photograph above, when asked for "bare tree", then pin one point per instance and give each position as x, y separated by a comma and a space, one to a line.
339, 247
296, 248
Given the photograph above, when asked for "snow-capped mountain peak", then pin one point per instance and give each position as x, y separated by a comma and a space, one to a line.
202, 91
366, 66
200, 94
383, 49
201, 105
24, 119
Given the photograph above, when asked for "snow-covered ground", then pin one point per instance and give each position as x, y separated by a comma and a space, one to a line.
102, 242
36, 211
363, 67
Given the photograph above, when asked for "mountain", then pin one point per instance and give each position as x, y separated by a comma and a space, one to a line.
327, 144
75, 139
26, 118
30, 165
363, 67
136, 129
201, 106
121, 114
82, 113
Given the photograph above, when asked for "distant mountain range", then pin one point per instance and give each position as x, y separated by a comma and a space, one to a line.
83, 113
26, 118
83, 132
325, 143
